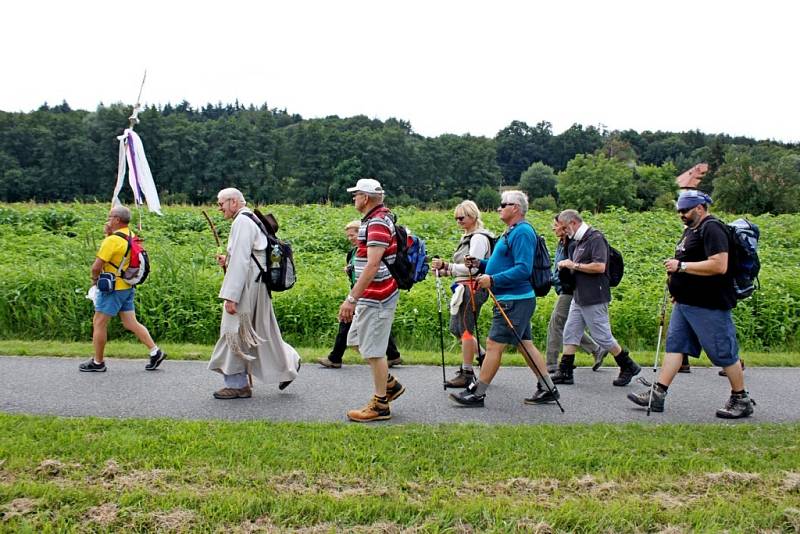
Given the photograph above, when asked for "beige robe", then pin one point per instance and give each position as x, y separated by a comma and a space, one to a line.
250, 340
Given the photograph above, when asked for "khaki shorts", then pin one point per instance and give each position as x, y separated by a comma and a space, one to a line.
371, 328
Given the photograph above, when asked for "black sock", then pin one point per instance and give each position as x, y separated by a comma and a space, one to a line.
662, 387
568, 361
738, 393
382, 400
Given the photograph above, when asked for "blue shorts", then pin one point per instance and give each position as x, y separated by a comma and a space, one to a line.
692, 328
520, 313
120, 300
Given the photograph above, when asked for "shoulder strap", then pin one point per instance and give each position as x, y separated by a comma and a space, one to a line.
127, 251
256, 220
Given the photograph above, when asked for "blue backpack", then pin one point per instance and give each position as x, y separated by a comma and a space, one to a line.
410, 261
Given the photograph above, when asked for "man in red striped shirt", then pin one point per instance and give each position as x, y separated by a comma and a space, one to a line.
371, 303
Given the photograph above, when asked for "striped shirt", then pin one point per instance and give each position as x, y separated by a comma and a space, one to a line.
378, 225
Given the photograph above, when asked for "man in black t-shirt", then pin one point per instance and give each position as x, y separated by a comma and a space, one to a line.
702, 292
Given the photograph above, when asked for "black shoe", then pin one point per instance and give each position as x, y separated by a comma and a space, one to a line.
156, 360
285, 384
643, 399
685, 367
738, 406
394, 389
542, 396
91, 367
627, 369
563, 376
468, 398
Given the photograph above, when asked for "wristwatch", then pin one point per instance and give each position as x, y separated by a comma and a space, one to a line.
350, 299
682, 267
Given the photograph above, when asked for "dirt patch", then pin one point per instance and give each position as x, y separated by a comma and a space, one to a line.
532, 526
110, 471
174, 521
19, 507
792, 516
50, 468
791, 482
672, 529
137, 478
732, 477
668, 501
338, 488
103, 515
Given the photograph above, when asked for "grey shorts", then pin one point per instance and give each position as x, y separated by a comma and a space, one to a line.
465, 320
371, 328
519, 313
593, 318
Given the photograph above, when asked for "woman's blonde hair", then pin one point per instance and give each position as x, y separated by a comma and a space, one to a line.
470, 209
355, 223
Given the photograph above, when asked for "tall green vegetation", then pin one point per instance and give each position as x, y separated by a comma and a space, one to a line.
47, 251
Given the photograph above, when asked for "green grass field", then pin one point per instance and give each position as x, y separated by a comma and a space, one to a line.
93, 475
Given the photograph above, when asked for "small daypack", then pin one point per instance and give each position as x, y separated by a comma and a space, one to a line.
616, 266
743, 261
541, 276
410, 261
139, 265
279, 273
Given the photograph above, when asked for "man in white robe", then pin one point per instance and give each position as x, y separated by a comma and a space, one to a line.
250, 340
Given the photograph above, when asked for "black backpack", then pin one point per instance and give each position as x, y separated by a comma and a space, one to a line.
492, 240
616, 266
743, 262
279, 274
541, 277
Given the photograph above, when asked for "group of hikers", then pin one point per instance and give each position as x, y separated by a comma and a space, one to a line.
484, 268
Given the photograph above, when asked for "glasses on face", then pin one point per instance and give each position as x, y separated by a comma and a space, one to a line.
221, 204
504, 204
684, 211
461, 218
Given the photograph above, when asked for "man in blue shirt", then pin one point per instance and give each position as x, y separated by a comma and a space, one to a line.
508, 274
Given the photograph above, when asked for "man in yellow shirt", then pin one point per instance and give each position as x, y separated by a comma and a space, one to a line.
120, 301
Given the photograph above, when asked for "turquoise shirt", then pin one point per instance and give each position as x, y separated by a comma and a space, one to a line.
511, 263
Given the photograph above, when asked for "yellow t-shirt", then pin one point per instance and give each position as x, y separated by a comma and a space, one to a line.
112, 250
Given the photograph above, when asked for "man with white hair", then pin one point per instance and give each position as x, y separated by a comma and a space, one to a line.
508, 276
250, 340
372, 301
114, 257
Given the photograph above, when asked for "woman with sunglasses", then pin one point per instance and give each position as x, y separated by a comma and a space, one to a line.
465, 306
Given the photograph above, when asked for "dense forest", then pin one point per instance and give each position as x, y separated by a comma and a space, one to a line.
60, 154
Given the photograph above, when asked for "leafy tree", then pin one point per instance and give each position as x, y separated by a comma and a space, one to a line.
595, 182
487, 198
538, 180
573, 141
546, 203
519, 145
654, 182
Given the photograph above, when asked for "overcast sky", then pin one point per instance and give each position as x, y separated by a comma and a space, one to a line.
444, 66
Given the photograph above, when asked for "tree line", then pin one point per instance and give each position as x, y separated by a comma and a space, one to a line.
59, 154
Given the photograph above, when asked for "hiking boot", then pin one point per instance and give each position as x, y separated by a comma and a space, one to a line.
627, 369
723, 373
396, 361
564, 373
233, 393
542, 396
326, 362
643, 399
156, 360
394, 389
462, 379
468, 398
738, 406
375, 410
285, 384
91, 367
599, 356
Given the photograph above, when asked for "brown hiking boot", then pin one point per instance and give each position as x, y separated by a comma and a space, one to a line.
326, 362
375, 410
233, 393
462, 379
394, 389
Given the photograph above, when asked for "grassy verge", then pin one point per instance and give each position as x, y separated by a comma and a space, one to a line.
188, 351
61, 474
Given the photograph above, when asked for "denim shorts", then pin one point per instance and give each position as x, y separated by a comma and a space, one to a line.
692, 328
120, 300
520, 313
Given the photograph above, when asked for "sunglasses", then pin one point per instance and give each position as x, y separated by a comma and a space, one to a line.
504, 204
461, 218
684, 211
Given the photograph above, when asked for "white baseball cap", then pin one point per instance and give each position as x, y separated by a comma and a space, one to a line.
366, 185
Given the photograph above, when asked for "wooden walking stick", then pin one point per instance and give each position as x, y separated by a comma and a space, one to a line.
216, 237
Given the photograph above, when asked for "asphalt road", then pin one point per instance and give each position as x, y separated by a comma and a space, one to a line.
182, 390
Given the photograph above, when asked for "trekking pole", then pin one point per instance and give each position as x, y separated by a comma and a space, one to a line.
525, 353
658, 345
472, 288
441, 331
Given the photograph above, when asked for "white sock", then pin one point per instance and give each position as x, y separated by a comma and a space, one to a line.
154, 350
96, 362
466, 366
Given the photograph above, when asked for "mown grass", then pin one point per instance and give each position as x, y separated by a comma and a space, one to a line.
452, 356
60, 474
